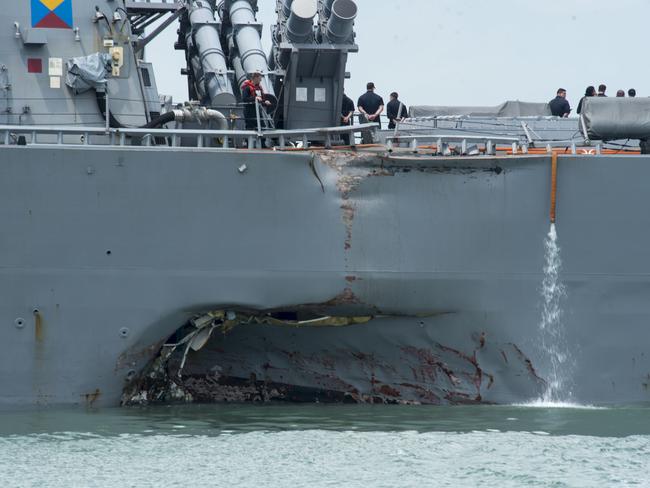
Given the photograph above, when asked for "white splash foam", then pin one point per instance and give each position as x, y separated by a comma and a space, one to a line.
541, 403
551, 328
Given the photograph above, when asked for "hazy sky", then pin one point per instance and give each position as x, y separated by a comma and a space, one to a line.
477, 52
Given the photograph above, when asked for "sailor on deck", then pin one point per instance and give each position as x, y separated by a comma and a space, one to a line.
396, 111
347, 114
370, 106
589, 92
559, 105
252, 92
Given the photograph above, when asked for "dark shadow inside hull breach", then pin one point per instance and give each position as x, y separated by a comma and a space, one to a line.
302, 357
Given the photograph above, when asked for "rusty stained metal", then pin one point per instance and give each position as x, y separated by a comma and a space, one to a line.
39, 332
138, 354
40, 371
353, 168
433, 382
437, 374
162, 380
91, 398
528, 363
351, 171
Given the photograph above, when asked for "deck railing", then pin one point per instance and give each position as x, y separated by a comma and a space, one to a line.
219, 139
276, 139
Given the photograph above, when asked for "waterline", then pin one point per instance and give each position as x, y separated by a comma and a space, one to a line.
542, 403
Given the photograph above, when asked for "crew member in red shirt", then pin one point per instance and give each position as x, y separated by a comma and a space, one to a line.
252, 91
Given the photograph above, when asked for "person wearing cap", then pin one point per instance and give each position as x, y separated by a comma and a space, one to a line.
396, 111
631, 93
251, 93
370, 106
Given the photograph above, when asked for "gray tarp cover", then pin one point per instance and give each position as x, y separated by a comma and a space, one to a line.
608, 119
87, 72
507, 109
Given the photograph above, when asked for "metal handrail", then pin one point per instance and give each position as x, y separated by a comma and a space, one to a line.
455, 137
489, 141
118, 137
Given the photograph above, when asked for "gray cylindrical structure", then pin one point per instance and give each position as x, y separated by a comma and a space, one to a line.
235, 61
340, 25
212, 81
248, 42
328, 7
286, 7
300, 25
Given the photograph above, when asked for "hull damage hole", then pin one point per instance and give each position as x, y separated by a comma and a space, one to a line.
164, 381
301, 355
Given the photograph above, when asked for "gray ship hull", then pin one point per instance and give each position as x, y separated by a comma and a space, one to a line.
106, 252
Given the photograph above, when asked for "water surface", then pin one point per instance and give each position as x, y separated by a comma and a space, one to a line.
280, 446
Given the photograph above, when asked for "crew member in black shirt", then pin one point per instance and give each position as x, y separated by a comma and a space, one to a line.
559, 105
589, 92
395, 110
347, 115
370, 106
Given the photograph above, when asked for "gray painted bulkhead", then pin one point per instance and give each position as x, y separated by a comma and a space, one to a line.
32, 99
105, 252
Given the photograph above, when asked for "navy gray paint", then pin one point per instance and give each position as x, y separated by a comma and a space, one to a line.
107, 252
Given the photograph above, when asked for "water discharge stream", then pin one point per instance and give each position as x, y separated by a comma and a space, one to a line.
551, 328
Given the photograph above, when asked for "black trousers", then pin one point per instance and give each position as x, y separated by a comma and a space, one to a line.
345, 137
367, 136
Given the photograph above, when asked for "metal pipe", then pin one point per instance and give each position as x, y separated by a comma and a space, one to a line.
327, 4
553, 186
286, 7
107, 117
340, 25
248, 42
300, 25
201, 115
240, 72
213, 79
235, 61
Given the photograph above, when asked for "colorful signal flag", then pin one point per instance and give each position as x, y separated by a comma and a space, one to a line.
52, 14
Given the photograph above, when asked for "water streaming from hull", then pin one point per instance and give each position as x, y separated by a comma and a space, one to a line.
551, 329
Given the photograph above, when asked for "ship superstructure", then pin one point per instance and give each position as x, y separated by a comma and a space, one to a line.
157, 252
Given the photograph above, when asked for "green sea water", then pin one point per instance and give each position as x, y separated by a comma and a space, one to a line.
313, 446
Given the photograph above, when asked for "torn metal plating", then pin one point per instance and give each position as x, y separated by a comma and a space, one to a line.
296, 356
162, 381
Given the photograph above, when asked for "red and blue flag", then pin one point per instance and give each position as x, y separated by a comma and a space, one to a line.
52, 14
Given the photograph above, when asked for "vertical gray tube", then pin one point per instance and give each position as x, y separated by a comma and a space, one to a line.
300, 26
286, 7
328, 7
235, 61
212, 80
340, 24
249, 44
